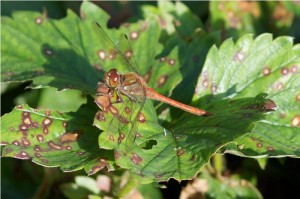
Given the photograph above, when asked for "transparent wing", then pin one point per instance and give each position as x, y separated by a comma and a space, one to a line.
125, 121
122, 52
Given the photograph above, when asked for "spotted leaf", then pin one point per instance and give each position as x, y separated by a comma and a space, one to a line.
251, 66
54, 139
158, 153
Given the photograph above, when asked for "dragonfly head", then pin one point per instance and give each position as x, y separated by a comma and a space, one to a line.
112, 78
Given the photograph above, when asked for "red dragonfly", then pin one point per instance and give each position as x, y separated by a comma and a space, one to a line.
129, 88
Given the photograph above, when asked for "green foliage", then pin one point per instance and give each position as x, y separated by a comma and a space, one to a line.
250, 86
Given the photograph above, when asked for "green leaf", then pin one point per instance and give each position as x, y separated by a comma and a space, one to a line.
251, 66
52, 139
181, 151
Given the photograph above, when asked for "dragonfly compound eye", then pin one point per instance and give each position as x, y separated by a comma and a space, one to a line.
112, 78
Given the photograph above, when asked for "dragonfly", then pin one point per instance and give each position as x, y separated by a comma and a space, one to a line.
129, 88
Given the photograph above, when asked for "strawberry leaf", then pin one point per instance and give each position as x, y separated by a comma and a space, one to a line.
249, 67
54, 139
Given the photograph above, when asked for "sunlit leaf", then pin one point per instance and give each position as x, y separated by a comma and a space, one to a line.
179, 152
251, 66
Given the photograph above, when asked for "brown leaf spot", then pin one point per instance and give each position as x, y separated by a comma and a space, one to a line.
279, 86
214, 89
47, 51
162, 59
162, 80
121, 137
128, 54
39, 20
25, 141
16, 143
22, 155
193, 158
259, 145
233, 20
127, 110
112, 54
284, 71
40, 138
68, 147
123, 120
111, 137
136, 159
68, 137
45, 130
25, 114
180, 152
282, 115
81, 153
171, 62
137, 135
47, 112
240, 56
6, 151
126, 25
44, 160
114, 110
144, 26
27, 121
134, 35
296, 120
47, 121
64, 124
101, 54
116, 154
98, 67
20, 107
205, 83
23, 127
37, 148
38, 155
269, 148
99, 166
35, 124
54, 146
294, 69
147, 76
158, 176
141, 117
100, 116
266, 71
9, 74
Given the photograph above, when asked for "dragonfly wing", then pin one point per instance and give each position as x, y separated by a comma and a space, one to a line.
124, 121
123, 52
125, 47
